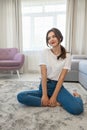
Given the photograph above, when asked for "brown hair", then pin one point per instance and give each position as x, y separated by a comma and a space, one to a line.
59, 36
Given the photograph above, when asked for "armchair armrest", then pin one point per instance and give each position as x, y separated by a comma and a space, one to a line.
19, 57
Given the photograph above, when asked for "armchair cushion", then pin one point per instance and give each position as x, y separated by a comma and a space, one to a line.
9, 63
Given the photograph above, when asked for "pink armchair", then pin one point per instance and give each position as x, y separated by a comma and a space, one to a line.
11, 59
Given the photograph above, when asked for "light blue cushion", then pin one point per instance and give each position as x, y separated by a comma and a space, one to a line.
83, 66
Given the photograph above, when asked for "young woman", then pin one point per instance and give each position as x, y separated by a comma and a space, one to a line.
55, 63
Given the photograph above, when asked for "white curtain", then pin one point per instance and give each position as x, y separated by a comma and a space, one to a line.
10, 24
76, 27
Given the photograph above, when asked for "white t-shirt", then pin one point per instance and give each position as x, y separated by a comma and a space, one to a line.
54, 66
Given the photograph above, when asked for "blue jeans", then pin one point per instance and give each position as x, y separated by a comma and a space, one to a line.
70, 103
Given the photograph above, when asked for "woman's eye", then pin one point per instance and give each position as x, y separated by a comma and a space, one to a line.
51, 37
54, 36
48, 38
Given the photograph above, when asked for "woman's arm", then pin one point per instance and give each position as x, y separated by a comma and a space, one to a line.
45, 99
58, 87
60, 82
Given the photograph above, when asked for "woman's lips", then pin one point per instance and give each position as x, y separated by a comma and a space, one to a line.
53, 43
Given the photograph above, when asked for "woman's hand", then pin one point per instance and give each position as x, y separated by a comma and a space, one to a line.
53, 102
45, 100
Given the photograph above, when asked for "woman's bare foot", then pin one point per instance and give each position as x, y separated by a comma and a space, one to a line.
54, 105
76, 94
58, 104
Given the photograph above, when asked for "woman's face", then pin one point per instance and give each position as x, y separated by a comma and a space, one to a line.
52, 39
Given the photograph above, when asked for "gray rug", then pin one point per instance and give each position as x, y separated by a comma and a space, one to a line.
14, 116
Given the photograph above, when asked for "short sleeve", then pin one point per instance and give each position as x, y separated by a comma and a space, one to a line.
67, 62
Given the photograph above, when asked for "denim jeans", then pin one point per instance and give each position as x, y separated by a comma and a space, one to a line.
70, 103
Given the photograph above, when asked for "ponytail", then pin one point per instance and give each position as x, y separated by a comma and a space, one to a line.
63, 53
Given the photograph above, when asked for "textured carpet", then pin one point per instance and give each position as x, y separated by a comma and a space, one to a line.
14, 116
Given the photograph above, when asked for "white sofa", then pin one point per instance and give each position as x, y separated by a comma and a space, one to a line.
83, 73
78, 72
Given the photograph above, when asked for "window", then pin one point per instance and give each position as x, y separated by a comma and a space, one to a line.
38, 19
